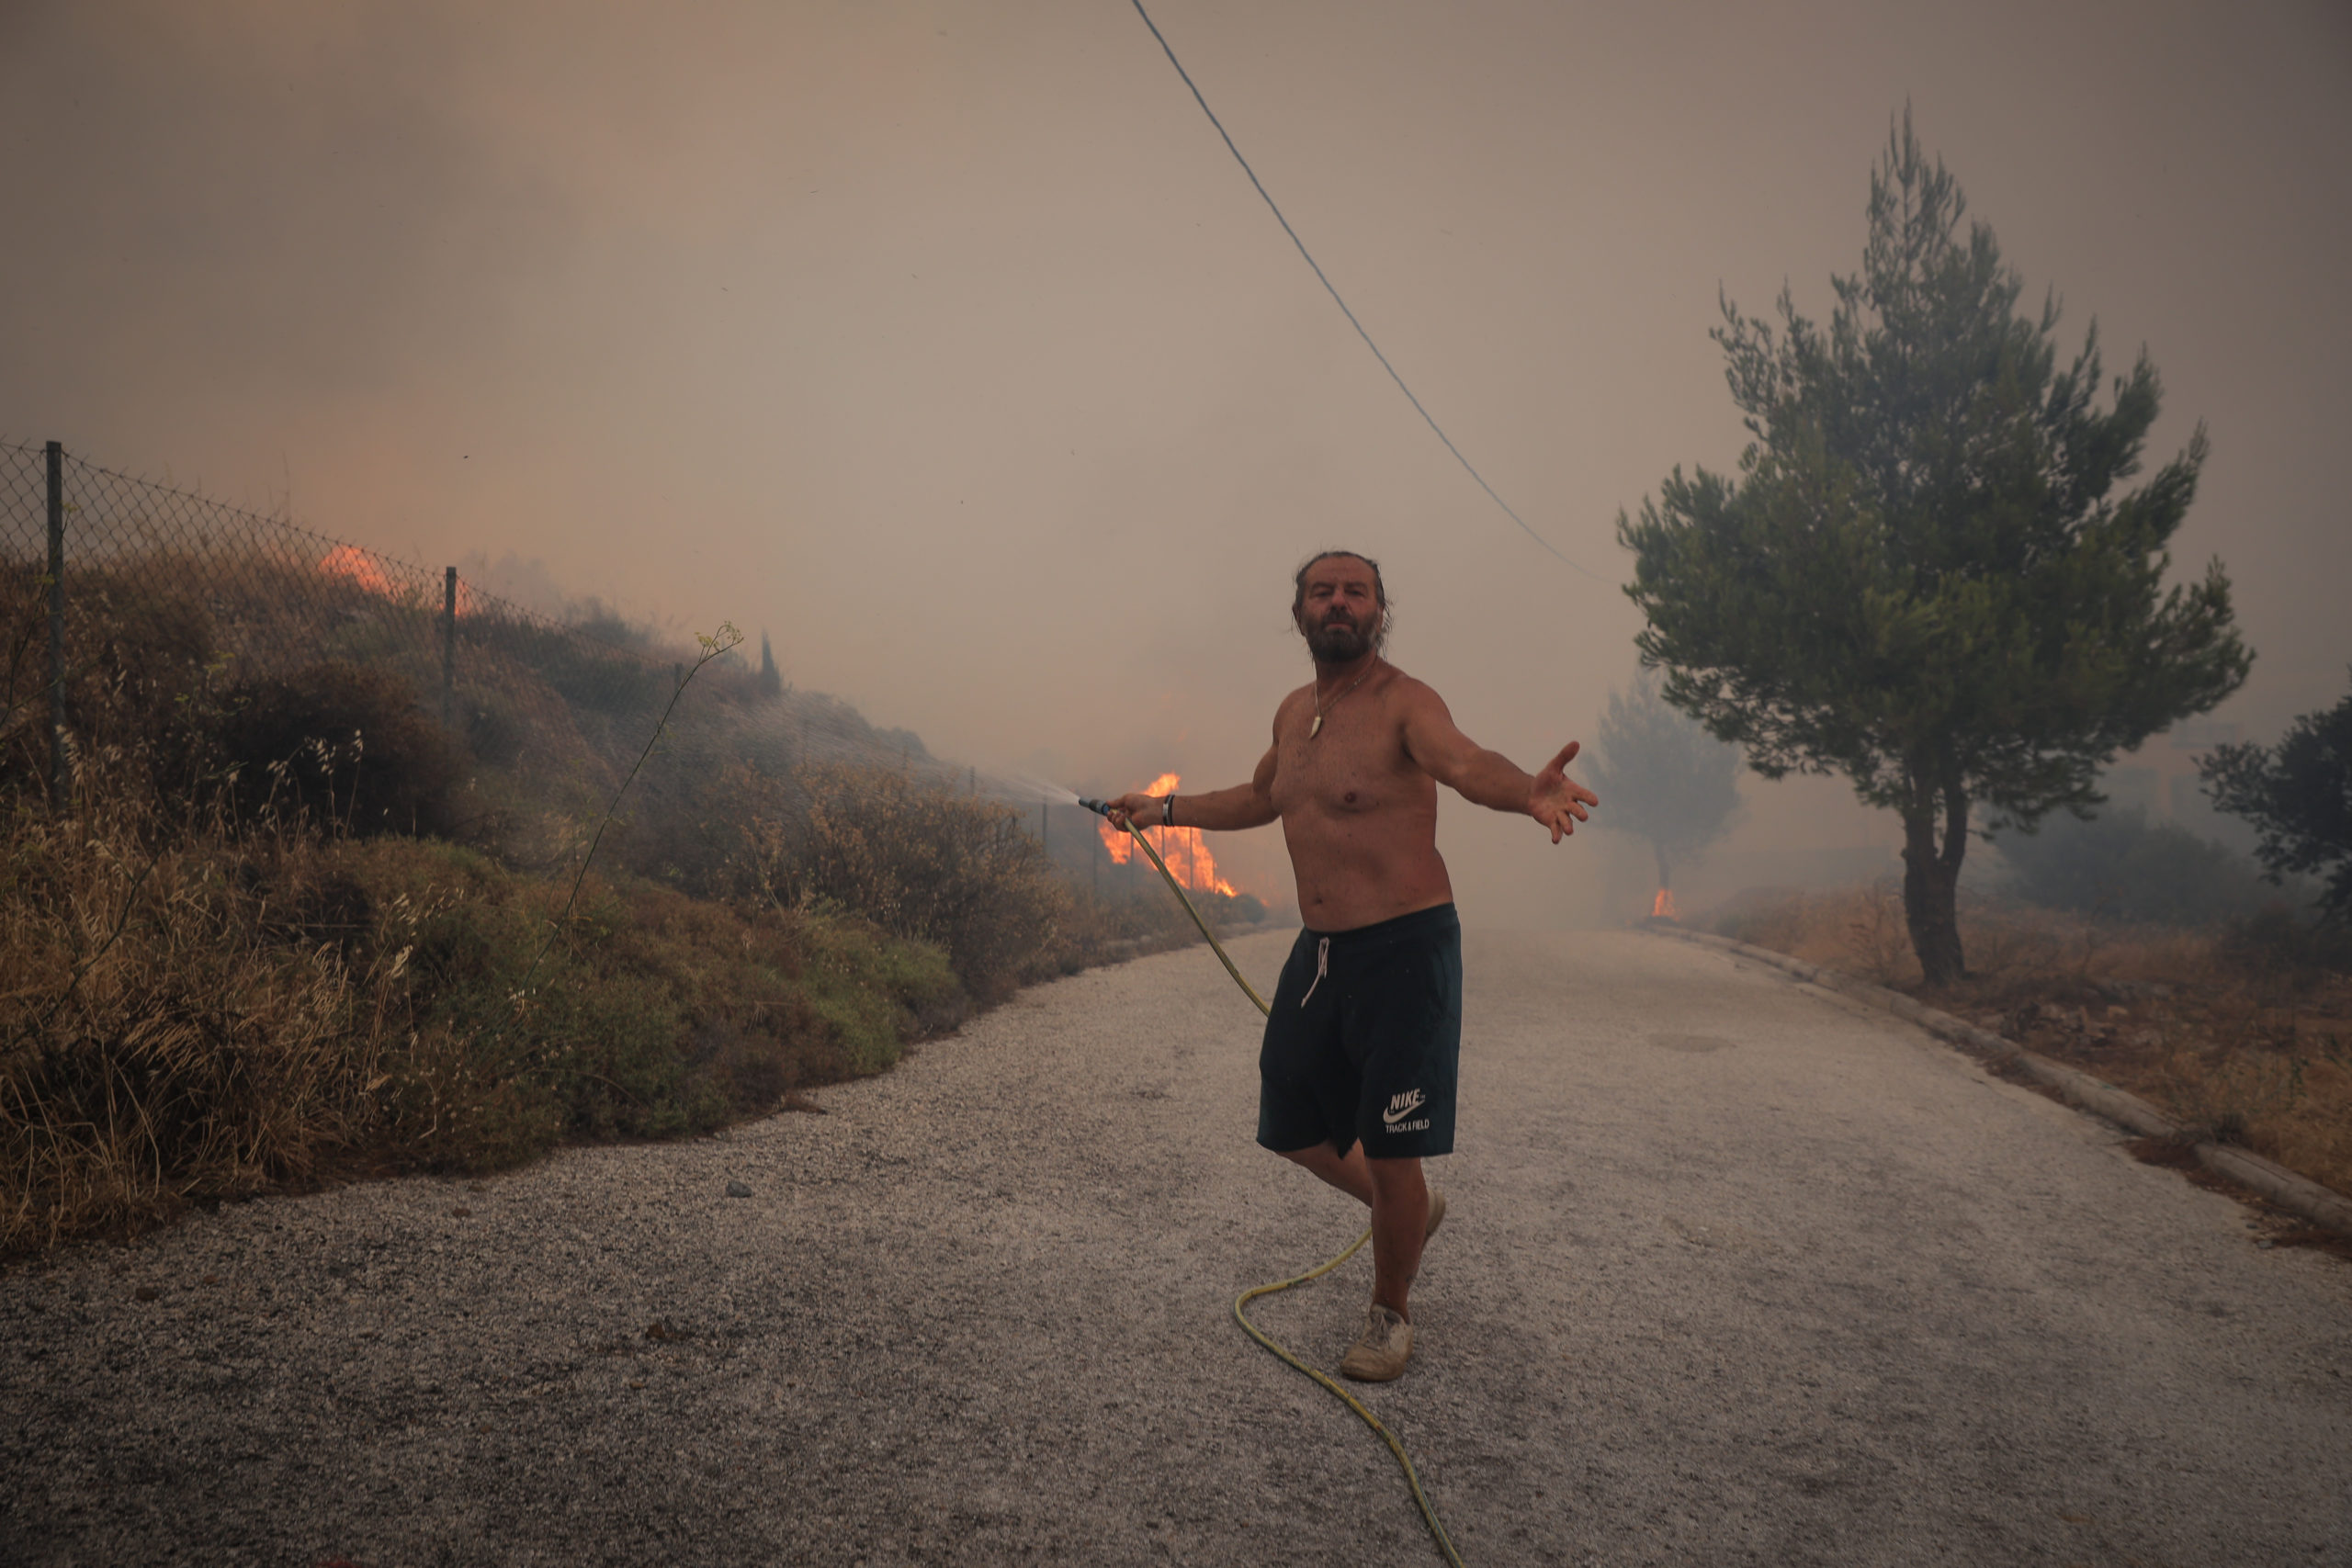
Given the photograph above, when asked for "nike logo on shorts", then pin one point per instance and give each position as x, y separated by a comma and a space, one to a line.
1402, 1105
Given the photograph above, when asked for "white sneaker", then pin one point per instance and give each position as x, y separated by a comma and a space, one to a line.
1379, 1353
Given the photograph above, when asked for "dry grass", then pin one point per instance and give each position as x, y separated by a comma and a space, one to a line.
199, 1010
165, 1045
2243, 1034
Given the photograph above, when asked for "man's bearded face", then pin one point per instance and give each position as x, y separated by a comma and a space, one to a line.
1336, 637
1339, 612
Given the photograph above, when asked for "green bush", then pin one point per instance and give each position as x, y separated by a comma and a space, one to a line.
2117, 866
2298, 797
650, 1014
873, 991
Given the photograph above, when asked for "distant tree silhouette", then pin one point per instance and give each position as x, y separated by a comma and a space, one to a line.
2297, 794
1662, 777
771, 680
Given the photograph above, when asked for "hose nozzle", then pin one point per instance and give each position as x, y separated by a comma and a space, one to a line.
1100, 807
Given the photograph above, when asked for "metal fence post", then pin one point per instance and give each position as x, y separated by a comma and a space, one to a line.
57, 619
449, 647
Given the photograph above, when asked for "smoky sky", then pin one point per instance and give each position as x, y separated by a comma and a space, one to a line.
945, 342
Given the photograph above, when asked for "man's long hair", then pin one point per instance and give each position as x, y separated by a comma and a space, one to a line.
1379, 594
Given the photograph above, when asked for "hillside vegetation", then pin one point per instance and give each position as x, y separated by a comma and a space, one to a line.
283, 926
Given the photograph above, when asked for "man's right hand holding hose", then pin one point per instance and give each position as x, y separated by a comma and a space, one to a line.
1143, 810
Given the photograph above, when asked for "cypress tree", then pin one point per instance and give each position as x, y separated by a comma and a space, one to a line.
771, 679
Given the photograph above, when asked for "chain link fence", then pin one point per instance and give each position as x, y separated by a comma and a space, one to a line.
89, 555
115, 589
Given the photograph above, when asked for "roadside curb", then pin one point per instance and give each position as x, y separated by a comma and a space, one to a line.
2299, 1194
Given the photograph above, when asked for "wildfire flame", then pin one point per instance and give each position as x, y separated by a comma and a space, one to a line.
357, 565
351, 561
1662, 906
1189, 859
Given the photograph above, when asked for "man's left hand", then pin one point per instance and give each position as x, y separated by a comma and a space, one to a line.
1557, 800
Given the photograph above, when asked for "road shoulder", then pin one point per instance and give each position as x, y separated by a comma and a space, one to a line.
2296, 1194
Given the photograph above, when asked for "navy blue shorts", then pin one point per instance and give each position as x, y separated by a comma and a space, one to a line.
1364, 1040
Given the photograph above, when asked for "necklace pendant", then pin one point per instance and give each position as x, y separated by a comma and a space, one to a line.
1316, 728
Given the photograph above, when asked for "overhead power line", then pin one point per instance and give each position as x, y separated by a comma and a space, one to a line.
1467, 466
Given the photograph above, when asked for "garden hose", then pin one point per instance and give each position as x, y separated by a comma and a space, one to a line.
1429, 1514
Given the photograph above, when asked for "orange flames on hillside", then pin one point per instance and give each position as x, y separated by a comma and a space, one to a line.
1188, 858
357, 565
1662, 906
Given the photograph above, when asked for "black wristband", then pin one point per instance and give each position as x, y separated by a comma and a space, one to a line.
1167, 812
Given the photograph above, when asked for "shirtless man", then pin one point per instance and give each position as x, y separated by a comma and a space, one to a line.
1356, 1075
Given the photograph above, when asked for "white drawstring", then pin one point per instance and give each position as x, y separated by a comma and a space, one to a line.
1322, 966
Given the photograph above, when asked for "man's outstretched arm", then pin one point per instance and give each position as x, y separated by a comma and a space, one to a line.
1250, 804
1490, 778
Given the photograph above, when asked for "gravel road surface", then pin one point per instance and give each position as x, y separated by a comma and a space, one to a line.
1736, 1272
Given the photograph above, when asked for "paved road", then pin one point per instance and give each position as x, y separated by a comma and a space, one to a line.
1736, 1273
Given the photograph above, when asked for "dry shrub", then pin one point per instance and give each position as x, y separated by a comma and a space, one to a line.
2294, 1108
2290, 949
934, 862
182, 665
923, 863
1148, 919
1858, 930
164, 1046
202, 1009
2310, 1130
288, 985
138, 691
1862, 932
343, 740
